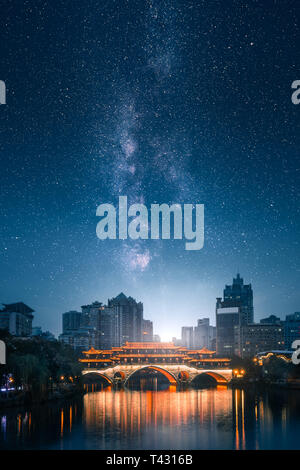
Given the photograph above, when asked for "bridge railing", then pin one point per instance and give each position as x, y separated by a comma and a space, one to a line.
213, 365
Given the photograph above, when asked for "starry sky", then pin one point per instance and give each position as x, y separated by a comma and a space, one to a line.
165, 101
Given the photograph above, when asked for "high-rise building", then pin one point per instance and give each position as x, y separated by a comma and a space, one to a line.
82, 339
71, 321
16, 319
228, 322
90, 315
103, 327
81, 329
291, 329
109, 328
200, 336
243, 294
204, 334
85, 338
130, 315
90, 320
147, 331
187, 336
234, 311
260, 337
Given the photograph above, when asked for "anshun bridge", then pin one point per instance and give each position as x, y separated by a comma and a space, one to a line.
178, 364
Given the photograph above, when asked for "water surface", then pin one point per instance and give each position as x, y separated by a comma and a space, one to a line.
218, 418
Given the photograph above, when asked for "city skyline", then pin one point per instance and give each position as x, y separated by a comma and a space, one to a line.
166, 336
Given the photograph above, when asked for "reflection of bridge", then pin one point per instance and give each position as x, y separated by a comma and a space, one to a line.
176, 363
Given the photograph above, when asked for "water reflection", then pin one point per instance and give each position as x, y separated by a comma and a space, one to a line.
169, 418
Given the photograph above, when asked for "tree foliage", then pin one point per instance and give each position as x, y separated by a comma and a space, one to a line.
37, 364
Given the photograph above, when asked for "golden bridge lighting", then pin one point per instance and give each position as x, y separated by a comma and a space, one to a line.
177, 363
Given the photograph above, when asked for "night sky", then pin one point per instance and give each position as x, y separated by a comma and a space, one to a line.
163, 101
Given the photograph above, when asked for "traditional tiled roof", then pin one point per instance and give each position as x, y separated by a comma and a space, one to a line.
150, 345
149, 355
153, 348
207, 359
95, 360
201, 351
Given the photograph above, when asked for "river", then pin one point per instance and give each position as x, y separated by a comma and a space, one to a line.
169, 418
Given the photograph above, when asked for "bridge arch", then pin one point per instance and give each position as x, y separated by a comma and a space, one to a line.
171, 377
99, 374
220, 379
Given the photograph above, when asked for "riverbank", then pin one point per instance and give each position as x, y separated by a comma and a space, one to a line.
21, 398
280, 384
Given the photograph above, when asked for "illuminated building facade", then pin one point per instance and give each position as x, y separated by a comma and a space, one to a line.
259, 337
291, 329
152, 353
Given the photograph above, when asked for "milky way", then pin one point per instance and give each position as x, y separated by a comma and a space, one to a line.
161, 101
